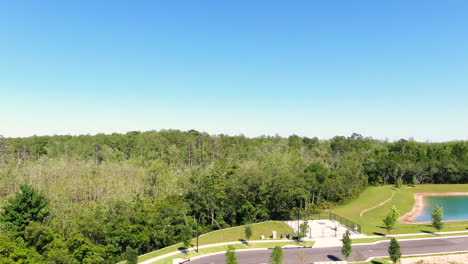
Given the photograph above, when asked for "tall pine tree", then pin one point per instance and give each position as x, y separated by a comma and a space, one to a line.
26, 207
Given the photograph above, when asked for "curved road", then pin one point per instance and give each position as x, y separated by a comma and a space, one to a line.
360, 252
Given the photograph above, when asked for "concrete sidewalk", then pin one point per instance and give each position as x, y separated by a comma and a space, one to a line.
420, 234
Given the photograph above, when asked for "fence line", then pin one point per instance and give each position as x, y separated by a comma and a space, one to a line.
331, 216
346, 222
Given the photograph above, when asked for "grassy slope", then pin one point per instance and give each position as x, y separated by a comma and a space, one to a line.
371, 221
228, 235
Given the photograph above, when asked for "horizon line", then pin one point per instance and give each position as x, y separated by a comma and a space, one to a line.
388, 140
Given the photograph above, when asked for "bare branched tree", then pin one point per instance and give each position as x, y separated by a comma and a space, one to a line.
3, 149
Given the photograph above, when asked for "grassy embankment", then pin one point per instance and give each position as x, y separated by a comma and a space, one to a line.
371, 221
224, 248
234, 234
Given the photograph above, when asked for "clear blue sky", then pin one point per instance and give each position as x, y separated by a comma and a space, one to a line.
386, 69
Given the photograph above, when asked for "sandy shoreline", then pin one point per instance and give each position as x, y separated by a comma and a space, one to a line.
418, 207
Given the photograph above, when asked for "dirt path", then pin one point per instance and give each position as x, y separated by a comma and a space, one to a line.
380, 204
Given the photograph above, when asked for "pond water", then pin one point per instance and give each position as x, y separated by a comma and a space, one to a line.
455, 208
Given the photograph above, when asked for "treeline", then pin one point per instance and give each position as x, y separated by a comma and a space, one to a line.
31, 233
172, 179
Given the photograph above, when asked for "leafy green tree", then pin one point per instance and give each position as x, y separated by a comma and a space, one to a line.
247, 212
294, 141
222, 180
26, 207
389, 223
84, 251
38, 236
414, 180
394, 251
437, 217
346, 248
303, 228
390, 220
186, 237
231, 256
399, 183
131, 256
16, 251
277, 255
248, 232
57, 252
3, 149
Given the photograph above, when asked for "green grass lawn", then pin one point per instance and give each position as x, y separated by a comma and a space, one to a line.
229, 235
371, 221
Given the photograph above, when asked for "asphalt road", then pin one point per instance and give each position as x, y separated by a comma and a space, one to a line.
360, 252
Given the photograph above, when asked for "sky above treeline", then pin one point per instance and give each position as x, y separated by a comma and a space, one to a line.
385, 69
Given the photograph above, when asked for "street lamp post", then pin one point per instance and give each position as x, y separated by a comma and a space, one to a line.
197, 235
298, 228
298, 224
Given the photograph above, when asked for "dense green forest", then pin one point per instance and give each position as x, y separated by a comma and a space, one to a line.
101, 196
